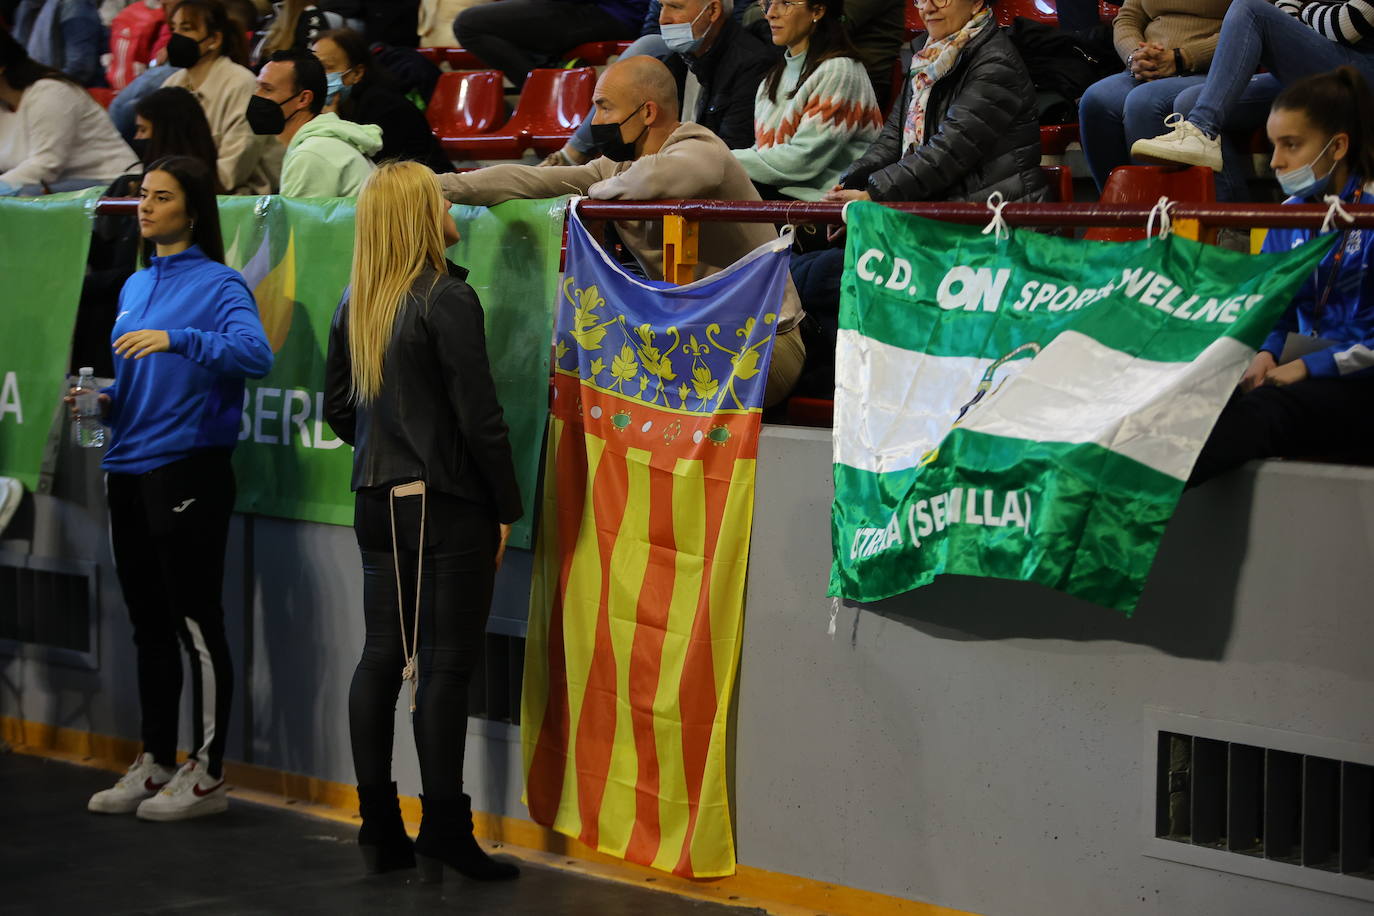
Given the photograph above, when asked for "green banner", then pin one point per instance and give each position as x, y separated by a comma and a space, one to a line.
1030, 408
43, 246
296, 256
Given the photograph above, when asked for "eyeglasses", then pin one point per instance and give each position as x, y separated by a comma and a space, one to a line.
931, 4
785, 4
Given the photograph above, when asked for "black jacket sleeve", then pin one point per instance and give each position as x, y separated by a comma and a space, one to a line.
339, 411
459, 340
988, 101
884, 151
735, 102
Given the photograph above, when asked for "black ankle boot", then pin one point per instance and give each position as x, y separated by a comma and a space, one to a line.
382, 836
446, 839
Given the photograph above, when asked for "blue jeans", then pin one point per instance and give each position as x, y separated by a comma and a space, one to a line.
1119, 110
1256, 33
122, 108
1247, 115
645, 45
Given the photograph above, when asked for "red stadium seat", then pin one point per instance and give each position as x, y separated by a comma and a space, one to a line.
1055, 138
102, 95
596, 53
552, 104
1107, 11
1146, 184
465, 105
1039, 10
914, 23
434, 55
456, 58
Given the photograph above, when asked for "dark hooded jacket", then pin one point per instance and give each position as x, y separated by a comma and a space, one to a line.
982, 134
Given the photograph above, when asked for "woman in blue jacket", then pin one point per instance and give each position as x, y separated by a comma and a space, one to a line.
1310, 389
186, 336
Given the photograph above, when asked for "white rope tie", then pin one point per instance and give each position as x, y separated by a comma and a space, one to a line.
1334, 208
1162, 210
834, 613
844, 212
409, 651
998, 224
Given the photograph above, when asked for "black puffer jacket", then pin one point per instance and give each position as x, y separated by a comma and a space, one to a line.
729, 74
436, 418
982, 134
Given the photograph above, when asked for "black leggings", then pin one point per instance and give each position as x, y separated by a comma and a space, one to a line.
459, 573
168, 528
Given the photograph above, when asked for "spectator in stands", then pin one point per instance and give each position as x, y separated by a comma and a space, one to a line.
360, 90
208, 48
66, 35
515, 36
137, 36
965, 127
717, 64
1167, 46
148, 81
187, 336
326, 156
436, 496
648, 154
966, 124
170, 122
814, 113
294, 24
53, 135
1310, 389
878, 29
1292, 39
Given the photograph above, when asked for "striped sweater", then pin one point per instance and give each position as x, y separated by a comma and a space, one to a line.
1349, 22
803, 143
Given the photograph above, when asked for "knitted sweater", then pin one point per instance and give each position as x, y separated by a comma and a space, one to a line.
803, 143
1192, 26
1350, 22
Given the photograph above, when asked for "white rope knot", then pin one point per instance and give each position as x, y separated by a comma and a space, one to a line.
408, 672
844, 212
834, 613
1335, 207
1164, 212
998, 224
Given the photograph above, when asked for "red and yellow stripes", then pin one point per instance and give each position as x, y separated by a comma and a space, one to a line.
634, 628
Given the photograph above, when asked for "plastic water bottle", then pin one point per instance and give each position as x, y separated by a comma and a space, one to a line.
87, 429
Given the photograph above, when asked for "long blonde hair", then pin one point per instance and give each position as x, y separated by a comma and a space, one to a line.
281, 34
399, 232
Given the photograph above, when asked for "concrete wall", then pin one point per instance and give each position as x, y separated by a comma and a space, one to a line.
977, 744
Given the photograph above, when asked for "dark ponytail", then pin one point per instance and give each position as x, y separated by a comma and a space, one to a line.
1338, 102
829, 39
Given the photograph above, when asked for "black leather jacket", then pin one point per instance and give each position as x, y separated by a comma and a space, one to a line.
436, 418
729, 74
982, 134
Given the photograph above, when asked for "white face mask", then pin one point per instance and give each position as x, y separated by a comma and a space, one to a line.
679, 37
1303, 182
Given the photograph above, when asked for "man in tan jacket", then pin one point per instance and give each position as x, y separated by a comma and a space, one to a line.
664, 159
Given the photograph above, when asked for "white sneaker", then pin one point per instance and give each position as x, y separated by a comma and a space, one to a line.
11, 495
191, 793
1186, 144
143, 780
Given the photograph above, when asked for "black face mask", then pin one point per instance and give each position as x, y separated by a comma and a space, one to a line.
183, 51
265, 116
609, 142
140, 147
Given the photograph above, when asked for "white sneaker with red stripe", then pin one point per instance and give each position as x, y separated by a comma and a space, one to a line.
190, 793
143, 780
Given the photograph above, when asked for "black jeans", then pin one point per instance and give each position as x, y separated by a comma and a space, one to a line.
459, 573
515, 36
1314, 418
168, 528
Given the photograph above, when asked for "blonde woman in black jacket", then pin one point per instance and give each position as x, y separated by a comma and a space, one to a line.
409, 387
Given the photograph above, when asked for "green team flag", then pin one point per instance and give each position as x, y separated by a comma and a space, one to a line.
296, 256
43, 246
1029, 408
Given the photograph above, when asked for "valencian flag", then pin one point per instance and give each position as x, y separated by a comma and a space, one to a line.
1029, 408
638, 597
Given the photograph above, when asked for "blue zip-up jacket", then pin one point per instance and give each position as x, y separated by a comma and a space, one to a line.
1349, 313
167, 406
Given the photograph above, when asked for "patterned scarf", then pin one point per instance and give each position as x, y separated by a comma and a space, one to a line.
930, 65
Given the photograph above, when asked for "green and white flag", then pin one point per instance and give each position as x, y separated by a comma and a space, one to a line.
1029, 408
